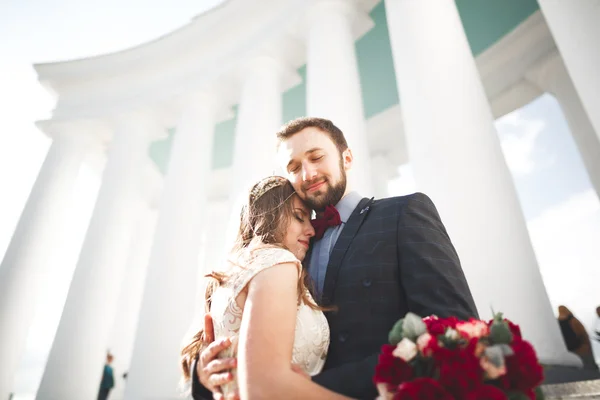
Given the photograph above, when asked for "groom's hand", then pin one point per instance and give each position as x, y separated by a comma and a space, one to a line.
213, 372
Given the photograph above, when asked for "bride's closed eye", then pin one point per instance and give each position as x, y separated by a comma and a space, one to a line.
300, 214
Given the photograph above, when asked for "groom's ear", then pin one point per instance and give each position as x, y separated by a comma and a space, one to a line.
347, 159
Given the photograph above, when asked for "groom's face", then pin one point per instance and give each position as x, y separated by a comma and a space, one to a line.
315, 167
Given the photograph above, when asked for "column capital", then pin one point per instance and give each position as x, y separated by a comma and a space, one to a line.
77, 130
268, 62
139, 122
211, 99
322, 10
548, 73
325, 8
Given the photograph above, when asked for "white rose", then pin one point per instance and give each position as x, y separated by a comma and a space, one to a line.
405, 350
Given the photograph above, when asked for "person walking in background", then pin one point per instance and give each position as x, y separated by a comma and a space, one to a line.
108, 379
576, 337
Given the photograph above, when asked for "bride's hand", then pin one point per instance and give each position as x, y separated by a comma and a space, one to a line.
298, 369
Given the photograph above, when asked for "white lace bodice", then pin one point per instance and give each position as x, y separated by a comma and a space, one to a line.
311, 338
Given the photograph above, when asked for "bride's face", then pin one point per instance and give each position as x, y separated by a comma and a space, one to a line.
300, 230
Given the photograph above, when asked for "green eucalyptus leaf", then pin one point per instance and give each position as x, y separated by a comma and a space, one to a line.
539, 394
396, 334
500, 332
413, 326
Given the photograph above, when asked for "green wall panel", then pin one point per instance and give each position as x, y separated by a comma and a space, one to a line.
223, 143
376, 67
294, 100
487, 21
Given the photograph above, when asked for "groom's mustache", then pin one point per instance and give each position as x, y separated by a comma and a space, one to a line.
316, 181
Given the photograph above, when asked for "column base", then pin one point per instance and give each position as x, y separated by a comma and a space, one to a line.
557, 374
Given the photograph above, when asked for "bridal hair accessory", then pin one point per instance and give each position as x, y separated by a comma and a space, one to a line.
265, 185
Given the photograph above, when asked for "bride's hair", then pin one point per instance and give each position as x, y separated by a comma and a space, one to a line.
264, 220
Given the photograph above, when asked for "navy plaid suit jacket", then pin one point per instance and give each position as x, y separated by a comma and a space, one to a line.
393, 256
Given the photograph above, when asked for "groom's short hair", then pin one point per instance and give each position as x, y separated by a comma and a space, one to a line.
326, 126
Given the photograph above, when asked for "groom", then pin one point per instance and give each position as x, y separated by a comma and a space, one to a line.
379, 260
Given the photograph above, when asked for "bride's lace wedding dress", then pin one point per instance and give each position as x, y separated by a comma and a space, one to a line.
311, 338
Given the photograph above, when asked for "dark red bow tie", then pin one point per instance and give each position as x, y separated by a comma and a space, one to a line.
330, 217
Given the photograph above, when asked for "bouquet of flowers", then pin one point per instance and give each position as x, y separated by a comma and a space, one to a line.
446, 359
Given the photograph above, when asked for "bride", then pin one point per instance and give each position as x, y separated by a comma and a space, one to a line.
262, 303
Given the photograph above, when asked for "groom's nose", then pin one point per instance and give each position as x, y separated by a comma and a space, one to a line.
309, 172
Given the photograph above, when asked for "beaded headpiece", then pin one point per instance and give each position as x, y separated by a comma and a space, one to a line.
265, 185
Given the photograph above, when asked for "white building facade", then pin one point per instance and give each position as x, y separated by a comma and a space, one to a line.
186, 122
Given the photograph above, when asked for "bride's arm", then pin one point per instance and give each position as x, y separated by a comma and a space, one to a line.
267, 337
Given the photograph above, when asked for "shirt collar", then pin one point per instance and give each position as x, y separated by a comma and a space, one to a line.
347, 205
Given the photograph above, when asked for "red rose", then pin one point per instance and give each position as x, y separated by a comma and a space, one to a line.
437, 326
459, 369
422, 389
391, 370
514, 328
523, 371
486, 392
427, 344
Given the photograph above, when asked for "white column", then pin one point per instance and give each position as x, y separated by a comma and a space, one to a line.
169, 294
552, 76
216, 250
212, 257
382, 171
130, 299
574, 26
332, 79
457, 160
259, 118
74, 366
27, 260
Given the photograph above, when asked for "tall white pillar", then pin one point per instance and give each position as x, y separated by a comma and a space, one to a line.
169, 294
333, 82
76, 359
552, 76
212, 257
382, 171
25, 265
457, 160
259, 118
574, 26
130, 299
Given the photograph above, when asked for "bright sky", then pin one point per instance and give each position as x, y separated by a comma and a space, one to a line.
562, 210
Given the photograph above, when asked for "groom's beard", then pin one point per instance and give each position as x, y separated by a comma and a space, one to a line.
332, 196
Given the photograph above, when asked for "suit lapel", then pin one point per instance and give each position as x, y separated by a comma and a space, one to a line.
341, 247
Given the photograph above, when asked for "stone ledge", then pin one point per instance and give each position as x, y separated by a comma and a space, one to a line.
573, 390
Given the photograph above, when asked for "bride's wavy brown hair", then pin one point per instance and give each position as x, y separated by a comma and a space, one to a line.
263, 222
